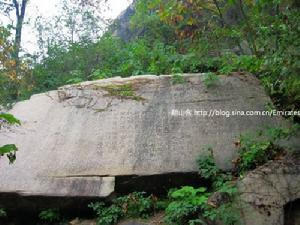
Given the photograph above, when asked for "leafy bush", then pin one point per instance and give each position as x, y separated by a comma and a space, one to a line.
207, 166
106, 215
98, 74
50, 215
134, 205
228, 213
257, 149
192, 206
186, 204
2, 213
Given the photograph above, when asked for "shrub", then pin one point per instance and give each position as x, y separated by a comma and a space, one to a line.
227, 213
50, 215
190, 205
257, 149
244, 63
106, 215
186, 204
177, 76
207, 166
2, 213
134, 205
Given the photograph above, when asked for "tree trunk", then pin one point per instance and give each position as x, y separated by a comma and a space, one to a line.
249, 37
20, 14
220, 13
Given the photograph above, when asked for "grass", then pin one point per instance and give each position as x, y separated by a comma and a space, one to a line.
124, 91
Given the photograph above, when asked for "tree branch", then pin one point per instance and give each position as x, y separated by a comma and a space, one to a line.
16, 4
6, 3
23, 7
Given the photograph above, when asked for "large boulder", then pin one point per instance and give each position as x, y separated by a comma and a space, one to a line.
74, 141
266, 191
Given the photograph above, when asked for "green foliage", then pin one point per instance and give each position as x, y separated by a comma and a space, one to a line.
2, 213
108, 57
74, 80
255, 154
207, 166
98, 74
254, 150
186, 204
106, 215
210, 79
14, 72
122, 91
9, 118
257, 149
244, 63
189, 205
221, 181
134, 205
177, 78
50, 215
10, 149
227, 213
76, 77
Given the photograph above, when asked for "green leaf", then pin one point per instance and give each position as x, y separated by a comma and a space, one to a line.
9, 118
8, 148
201, 189
199, 200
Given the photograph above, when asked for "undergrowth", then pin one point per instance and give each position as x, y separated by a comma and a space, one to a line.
134, 205
2, 212
202, 205
50, 215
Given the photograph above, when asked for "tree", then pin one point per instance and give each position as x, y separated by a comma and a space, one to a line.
8, 76
78, 21
189, 17
12, 70
19, 7
13, 83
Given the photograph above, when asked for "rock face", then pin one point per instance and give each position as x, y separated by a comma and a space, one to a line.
76, 140
121, 26
266, 190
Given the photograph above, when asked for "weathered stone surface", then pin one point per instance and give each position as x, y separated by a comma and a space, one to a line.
74, 141
266, 190
82, 222
134, 222
156, 219
121, 25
